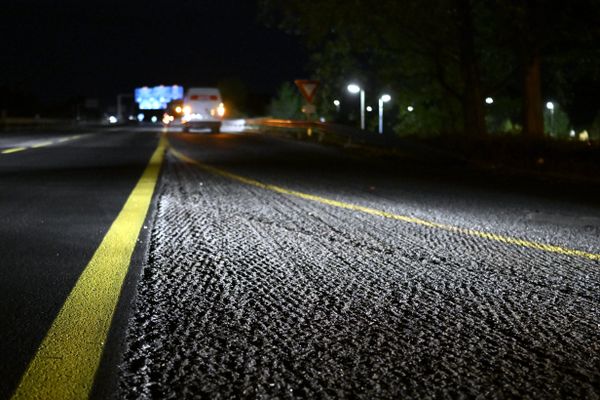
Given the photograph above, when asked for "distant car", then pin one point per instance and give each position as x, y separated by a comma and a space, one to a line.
203, 108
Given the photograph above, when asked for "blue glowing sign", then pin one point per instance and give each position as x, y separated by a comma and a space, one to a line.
157, 97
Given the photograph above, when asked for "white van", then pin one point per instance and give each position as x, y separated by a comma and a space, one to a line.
203, 108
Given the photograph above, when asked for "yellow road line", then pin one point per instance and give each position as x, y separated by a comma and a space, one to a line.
13, 150
66, 362
412, 220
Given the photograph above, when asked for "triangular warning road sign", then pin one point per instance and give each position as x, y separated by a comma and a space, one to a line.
307, 88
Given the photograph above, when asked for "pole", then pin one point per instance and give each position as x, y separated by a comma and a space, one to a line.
381, 116
119, 110
362, 109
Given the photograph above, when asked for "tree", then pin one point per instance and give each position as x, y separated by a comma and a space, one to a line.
449, 52
287, 104
543, 33
395, 38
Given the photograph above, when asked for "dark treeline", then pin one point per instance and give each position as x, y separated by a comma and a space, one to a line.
445, 57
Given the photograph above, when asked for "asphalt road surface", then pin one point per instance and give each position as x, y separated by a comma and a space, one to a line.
280, 269
59, 194
273, 268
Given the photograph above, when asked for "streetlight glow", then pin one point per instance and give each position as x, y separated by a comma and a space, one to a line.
550, 106
369, 108
383, 99
489, 100
336, 103
353, 88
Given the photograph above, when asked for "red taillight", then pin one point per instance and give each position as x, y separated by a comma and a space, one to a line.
204, 97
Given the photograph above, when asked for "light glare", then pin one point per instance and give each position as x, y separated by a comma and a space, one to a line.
353, 88
221, 110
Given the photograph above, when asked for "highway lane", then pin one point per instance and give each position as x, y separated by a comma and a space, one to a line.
59, 194
286, 269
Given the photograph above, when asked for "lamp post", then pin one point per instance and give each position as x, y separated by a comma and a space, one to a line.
550, 106
354, 89
336, 103
383, 99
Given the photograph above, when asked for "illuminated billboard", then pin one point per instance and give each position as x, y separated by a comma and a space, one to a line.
157, 97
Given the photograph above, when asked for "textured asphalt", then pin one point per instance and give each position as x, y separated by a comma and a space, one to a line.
56, 204
248, 293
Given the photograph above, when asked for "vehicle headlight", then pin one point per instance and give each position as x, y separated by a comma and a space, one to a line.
221, 110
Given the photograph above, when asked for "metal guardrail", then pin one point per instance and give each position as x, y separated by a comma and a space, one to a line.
347, 136
14, 124
322, 131
32, 121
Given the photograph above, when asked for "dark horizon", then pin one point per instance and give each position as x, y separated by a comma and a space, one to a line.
88, 49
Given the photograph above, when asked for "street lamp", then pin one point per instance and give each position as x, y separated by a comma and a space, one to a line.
383, 99
337, 103
354, 89
550, 106
489, 100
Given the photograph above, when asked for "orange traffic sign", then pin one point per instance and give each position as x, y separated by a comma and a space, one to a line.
308, 88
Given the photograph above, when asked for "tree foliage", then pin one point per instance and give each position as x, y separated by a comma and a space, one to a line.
287, 104
447, 56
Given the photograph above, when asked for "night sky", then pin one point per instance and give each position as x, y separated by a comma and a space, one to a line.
59, 49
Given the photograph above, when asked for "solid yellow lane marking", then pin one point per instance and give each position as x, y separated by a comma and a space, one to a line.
404, 218
13, 150
66, 362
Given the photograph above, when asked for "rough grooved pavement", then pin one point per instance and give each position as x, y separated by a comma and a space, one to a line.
252, 294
